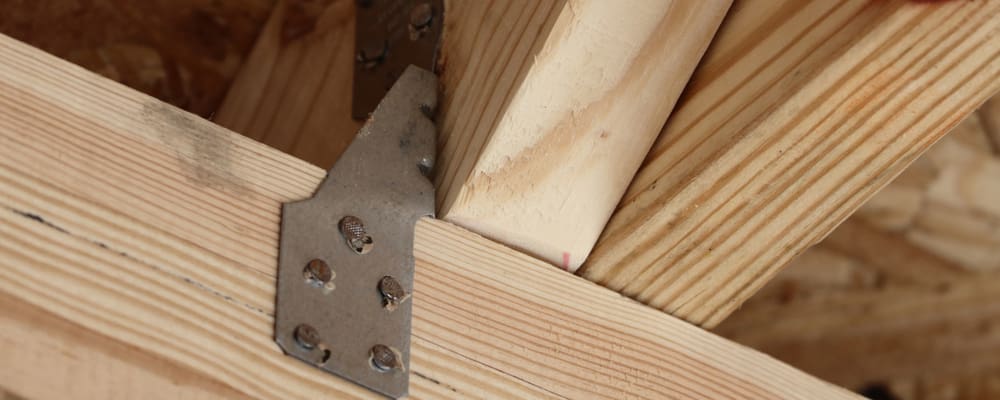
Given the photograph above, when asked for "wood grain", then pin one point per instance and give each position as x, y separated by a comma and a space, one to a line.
139, 243
800, 112
549, 108
899, 298
294, 90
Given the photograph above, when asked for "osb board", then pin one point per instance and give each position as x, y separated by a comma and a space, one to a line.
184, 52
901, 300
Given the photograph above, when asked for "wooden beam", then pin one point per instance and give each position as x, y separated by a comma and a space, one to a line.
294, 90
549, 108
800, 112
138, 250
922, 313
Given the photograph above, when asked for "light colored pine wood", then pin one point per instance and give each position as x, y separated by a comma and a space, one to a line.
549, 107
902, 303
294, 90
800, 112
138, 248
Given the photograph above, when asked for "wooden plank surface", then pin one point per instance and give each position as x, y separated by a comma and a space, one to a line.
549, 108
294, 90
800, 112
139, 247
901, 296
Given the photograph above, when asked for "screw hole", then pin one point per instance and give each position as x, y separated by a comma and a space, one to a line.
428, 111
362, 245
323, 359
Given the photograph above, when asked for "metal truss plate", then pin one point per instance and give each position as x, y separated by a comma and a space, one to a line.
380, 180
391, 35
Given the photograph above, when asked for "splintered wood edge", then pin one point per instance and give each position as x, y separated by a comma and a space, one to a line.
139, 247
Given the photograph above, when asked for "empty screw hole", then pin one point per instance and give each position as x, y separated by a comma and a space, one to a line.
323, 359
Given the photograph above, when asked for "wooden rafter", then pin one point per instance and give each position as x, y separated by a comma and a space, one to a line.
800, 112
294, 90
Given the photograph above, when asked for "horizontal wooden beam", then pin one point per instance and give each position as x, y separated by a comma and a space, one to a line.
549, 108
799, 113
138, 247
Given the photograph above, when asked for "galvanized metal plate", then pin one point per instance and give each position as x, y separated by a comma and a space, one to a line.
390, 35
380, 180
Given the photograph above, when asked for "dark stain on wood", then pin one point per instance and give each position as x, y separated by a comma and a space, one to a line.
199, 146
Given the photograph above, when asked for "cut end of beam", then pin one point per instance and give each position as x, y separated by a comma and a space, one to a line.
543, 169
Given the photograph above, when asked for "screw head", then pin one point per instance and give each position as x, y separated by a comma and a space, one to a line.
372, 54
385, 358
392, 292
421, 16
354, 231
318, 272
306, 336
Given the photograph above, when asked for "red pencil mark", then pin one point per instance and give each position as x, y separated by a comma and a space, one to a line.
565, 261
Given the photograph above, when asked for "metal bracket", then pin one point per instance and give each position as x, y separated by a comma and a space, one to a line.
391, 35
345, 268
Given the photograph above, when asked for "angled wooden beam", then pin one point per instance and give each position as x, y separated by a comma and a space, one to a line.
138, 249
549, 108
800, 112
294, 90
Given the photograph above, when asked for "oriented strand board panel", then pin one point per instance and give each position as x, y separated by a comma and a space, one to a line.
184, 52
800, 112
138, 249
294, 91
549, 108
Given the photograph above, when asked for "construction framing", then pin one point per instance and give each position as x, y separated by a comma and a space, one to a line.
138, 242
139, 246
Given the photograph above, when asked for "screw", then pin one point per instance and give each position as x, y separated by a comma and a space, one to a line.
306, 336
385, 358
372, 54
354, 231
392, 292
319, 274
426, 166
421, 16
